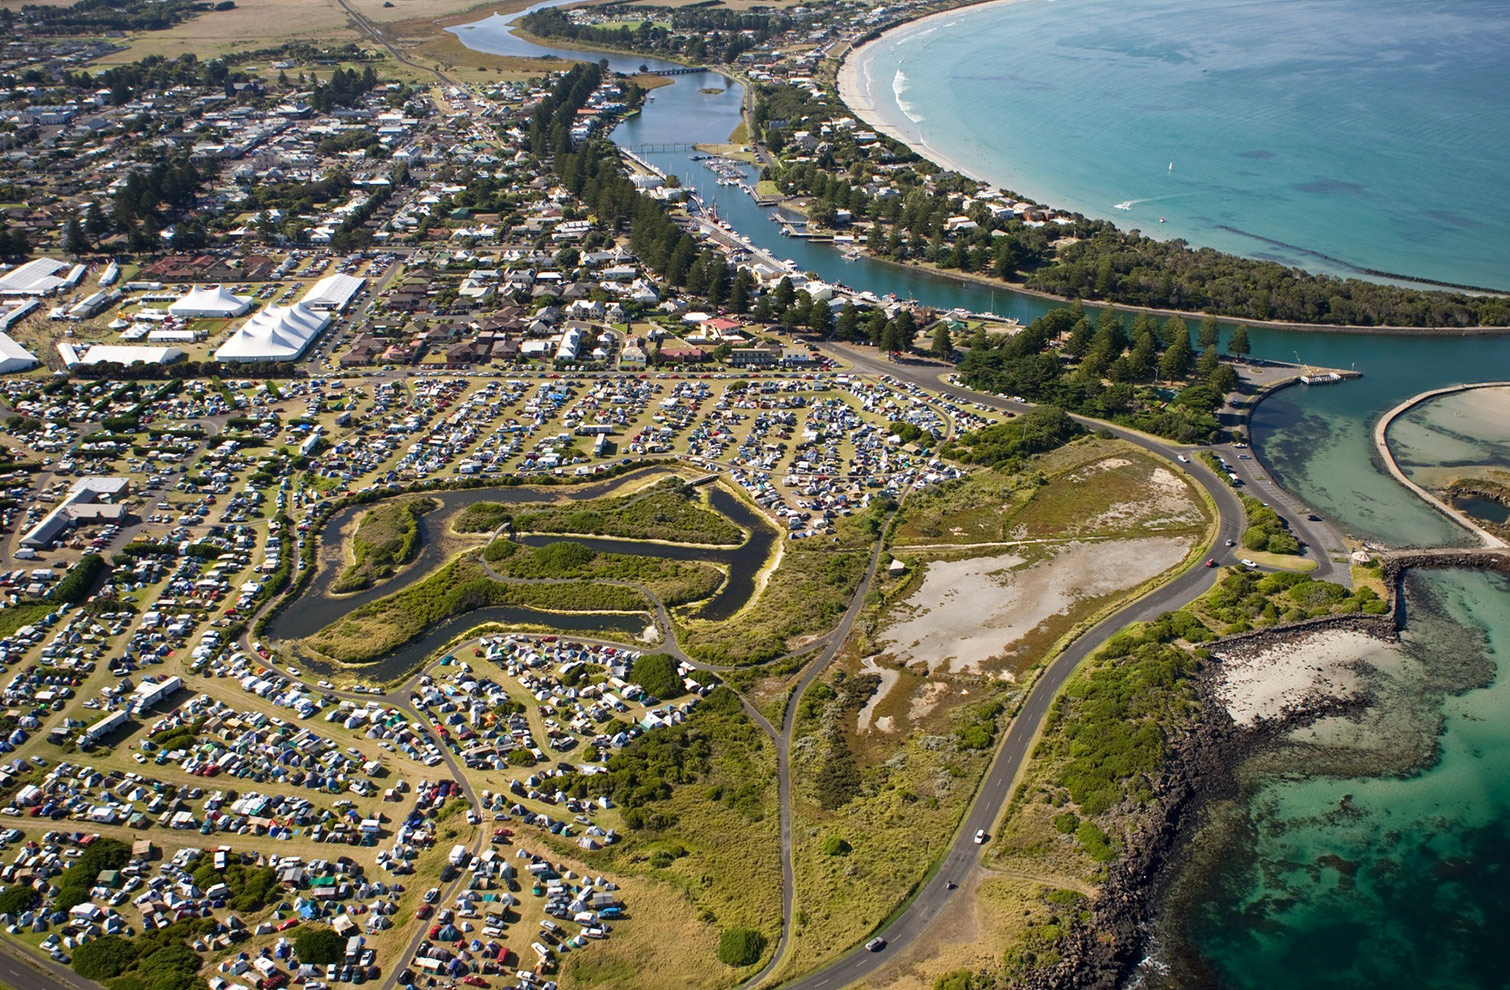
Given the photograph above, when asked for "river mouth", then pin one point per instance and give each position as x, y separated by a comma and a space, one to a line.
317, 608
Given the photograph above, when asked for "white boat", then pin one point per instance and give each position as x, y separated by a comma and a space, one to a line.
1125, 205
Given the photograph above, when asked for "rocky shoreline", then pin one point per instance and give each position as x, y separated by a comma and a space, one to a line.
1105, 951
1202, 769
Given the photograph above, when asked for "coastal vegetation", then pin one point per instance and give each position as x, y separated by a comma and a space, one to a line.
563, 576
386, 538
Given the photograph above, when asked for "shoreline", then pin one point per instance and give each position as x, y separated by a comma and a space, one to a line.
854, 88
846, 82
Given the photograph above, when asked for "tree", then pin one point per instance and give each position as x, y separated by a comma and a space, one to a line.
74, 241
943, 343
1209, 333
740, 947
1238, 345
319, 945
1175, 364
18, 899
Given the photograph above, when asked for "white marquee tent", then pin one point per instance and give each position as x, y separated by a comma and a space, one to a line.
210, 303
276, 333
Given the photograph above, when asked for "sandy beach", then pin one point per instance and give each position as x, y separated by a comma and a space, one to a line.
1257, 683
856, 89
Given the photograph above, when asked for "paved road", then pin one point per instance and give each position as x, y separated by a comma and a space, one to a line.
963, 854
25, 971
1323, 541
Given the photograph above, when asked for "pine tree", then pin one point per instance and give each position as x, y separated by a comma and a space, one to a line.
1238, 345
943, 343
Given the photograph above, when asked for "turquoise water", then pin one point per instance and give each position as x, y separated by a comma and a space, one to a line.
1372, 881
1371, 132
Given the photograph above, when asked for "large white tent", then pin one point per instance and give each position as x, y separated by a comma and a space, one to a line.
14, 357
333, 292
276, 333
210, 303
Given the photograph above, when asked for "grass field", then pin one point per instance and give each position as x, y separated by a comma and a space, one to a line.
718, 849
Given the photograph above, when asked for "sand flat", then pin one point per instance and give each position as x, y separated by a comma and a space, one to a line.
968, 611
1261, 683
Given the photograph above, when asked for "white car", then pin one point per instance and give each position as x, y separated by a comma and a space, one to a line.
980, 836
1249, 563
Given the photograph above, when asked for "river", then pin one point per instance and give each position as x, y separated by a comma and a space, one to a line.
1423, 898
316, 607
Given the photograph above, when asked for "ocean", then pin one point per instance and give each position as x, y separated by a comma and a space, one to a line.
1334, 135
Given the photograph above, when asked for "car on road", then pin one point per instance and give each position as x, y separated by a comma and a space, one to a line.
1210, 563
1313, 517
876, 944
1231, 543
1249, 563
980, 836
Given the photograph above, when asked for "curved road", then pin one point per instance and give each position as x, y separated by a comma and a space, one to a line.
963, 854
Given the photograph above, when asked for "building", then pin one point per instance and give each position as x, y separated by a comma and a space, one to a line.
90, 498
104, 726
276, 333
148, 694
211, 303
116, 354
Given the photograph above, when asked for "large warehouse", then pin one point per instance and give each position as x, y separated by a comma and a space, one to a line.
115, 353
210, 303
14, 357
277, 333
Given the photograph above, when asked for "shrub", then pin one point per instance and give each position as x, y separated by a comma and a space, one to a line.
319, 945
103, 958
1095, 842
740, 947
835, 846
657, 674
